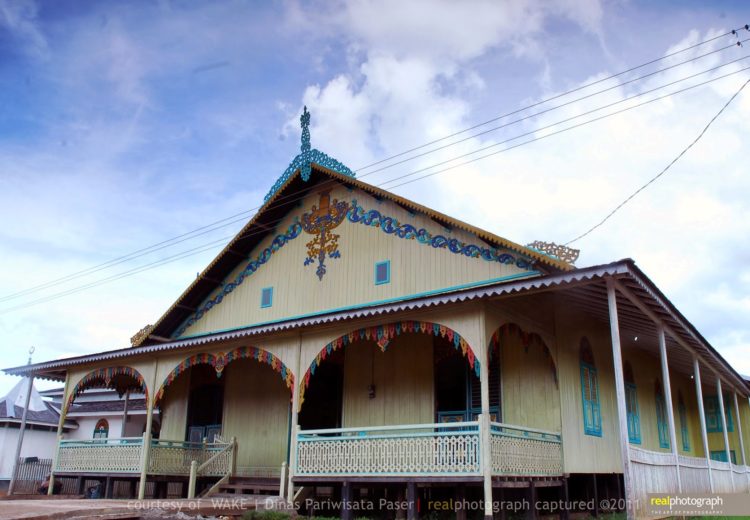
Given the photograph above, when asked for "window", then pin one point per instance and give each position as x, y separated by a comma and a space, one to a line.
266, 297
382, 272
631, 406
661, 416
101, 430
682, 412
592, 418
721, 456
713, 415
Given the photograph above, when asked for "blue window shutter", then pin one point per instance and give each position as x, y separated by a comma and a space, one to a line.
592, 418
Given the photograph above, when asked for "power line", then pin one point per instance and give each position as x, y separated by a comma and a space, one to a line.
556, 107
557, 96
205, 229
536, 130
205, 247
666, 168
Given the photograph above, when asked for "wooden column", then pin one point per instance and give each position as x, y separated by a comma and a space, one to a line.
125, 414
724, 428
21, 432
411, 500
668, 402
294, 419
60, 429
484, 423
347, 512
622, 418
146, 448
702, 414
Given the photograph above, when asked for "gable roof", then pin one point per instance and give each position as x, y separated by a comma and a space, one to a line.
282, 199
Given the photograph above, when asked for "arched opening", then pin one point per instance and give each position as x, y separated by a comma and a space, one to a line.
524, 379
101, 430
121, 379
238, 394
631, 405
400, 373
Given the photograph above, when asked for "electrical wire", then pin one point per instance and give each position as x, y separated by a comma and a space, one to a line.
205, 247
662, 172
236, 217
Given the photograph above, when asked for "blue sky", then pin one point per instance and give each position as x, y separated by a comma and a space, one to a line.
124, 124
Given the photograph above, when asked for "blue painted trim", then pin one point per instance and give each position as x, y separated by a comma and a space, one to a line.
263, 292
661, 421
683, 426
461, 432
515, 276
387, 264
633, 413
713, 414
592, 417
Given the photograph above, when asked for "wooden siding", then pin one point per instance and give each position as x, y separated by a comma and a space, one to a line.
586, 453
256, 412
530, 395
403, 377
415, 268
682, 383
174, 407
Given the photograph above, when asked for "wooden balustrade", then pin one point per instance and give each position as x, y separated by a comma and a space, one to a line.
422, 449
520, 451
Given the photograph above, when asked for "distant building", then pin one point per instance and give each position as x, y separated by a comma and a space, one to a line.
41, 427
99, 413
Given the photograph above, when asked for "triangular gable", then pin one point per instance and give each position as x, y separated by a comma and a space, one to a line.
299, 180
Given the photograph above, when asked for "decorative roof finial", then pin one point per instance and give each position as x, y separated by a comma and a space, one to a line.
304, 120
31, 352
307, 156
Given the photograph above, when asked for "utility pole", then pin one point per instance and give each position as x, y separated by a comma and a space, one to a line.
22, 430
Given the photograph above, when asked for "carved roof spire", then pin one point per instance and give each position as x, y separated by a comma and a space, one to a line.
304, 121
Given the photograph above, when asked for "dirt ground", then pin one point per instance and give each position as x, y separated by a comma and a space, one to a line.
206, 508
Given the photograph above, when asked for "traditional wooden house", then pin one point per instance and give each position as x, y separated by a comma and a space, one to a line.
351, 341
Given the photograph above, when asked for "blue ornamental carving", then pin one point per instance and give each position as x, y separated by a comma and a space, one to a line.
303, 161
265, 255
391, 226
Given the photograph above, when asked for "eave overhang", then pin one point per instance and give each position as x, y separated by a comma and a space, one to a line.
585, 285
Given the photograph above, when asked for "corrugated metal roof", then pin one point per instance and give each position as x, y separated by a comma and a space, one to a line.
583, 287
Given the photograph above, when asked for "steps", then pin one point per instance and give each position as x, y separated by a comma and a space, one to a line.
237, 487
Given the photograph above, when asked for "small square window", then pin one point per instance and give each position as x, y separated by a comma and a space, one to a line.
266, 297
382, 272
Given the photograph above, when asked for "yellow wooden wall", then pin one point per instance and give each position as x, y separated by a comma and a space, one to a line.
646, 372
256, 412
682, 383
529, 392
403, 378
174, 407
745, 417
415, 268
586, 453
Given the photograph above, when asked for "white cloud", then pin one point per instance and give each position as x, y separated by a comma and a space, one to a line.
19, 17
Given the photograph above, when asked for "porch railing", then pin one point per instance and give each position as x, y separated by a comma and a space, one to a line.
521, 451
124, 455
418, 449
99, 456
174, 458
